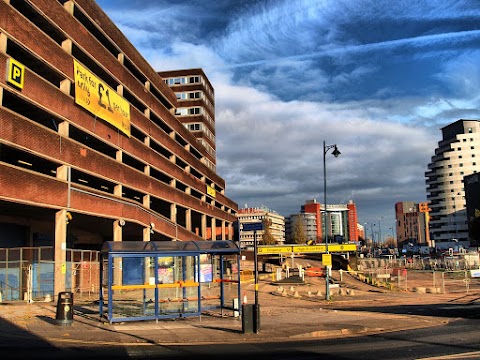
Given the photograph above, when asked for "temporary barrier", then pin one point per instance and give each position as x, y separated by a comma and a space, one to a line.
165, 279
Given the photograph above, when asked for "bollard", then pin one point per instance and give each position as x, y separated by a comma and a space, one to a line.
236, 308
64, 314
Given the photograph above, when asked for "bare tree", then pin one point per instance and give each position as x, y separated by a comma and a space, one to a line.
267, 237
299, 236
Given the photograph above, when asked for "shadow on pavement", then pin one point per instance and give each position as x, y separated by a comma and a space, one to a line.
448, 310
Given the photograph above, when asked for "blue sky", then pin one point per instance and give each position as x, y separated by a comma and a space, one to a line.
379, 78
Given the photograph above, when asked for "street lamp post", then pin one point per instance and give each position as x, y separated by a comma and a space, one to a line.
334, 153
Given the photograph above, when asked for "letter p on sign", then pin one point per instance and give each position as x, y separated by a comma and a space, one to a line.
15, 73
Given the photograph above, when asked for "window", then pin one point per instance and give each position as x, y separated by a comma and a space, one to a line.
194, 79
194, 127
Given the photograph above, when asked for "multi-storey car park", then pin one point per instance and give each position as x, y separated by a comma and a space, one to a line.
90, 147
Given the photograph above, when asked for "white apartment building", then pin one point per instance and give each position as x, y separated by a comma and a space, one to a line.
258, 214
309, 225
457, 155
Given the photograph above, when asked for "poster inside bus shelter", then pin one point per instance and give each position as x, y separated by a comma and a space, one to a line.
206, 269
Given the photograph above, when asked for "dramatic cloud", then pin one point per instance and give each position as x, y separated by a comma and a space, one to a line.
377, 78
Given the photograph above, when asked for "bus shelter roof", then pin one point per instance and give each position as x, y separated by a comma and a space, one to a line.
203, 247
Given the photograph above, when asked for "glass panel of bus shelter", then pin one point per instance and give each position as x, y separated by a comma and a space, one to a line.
132, 293
177, 292
230, 278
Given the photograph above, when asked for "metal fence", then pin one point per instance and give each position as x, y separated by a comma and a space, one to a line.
27, 273
440, 276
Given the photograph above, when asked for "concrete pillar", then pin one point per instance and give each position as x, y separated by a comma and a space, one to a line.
146, 264
223, 230
60, 252
213, 226
117, 262
204, 226
188, 219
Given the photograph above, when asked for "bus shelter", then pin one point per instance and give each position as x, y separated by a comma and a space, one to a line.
167, 279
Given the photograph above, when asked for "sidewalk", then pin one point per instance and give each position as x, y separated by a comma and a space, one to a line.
283, 318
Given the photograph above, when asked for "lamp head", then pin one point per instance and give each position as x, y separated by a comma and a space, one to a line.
336, 152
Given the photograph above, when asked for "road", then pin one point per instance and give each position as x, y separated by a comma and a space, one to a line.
460, 338
457, 339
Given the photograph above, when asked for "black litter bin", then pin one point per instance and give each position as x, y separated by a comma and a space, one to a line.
247, 318
64, 308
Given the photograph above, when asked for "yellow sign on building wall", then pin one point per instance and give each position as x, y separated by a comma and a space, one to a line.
100, 99
211, 191
15, 73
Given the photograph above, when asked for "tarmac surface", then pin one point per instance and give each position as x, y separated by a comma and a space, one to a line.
287, 312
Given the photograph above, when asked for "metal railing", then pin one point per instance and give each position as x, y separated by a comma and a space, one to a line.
27, 273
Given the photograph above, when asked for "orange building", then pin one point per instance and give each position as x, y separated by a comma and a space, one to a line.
342, 220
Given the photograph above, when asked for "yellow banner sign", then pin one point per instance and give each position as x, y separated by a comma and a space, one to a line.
274, 249
310, 249
101, 100
280, 249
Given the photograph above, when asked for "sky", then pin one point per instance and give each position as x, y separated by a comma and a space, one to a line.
378, 78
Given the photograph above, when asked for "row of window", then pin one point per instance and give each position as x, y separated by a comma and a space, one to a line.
194, 111
195, 95
184, 80
201, 127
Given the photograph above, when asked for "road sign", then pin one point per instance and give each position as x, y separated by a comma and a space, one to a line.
252, 226
327, 259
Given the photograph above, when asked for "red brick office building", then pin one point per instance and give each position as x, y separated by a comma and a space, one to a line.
90, 147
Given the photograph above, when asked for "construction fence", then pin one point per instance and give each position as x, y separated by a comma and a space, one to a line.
440, 276
27, 273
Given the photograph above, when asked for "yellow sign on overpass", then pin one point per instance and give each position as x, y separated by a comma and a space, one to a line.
282, 249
